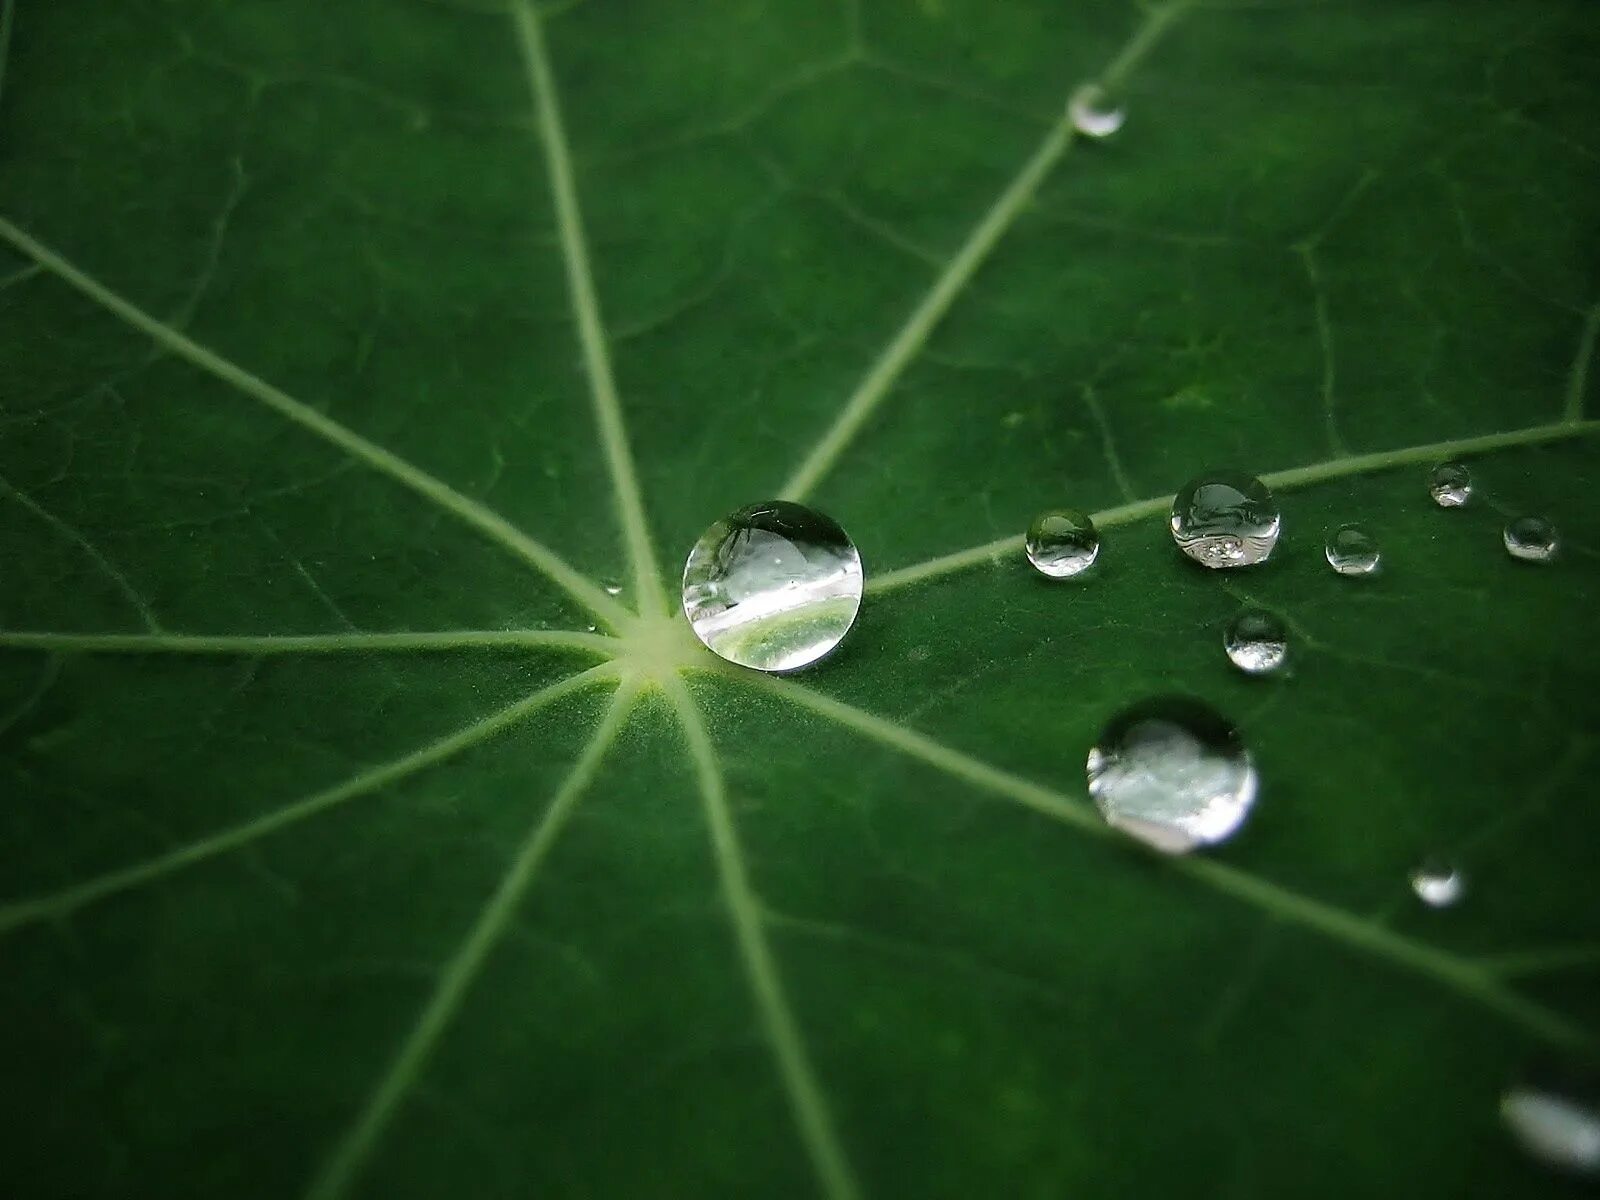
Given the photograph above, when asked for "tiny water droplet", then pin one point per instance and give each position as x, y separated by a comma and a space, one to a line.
1556, 1125
613, 589
1437, 883
1225, 519
1532, 539
592, 628
1173, 773
1062, 543
1093, 113
1256, 641
774, 586
1351, 550
1450, 484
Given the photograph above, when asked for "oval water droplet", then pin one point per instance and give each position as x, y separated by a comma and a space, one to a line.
1062, 543
1558, 1125
1531, 539
1173, 773
1450, 484
1225, 519
1094, 113
613, 589
1256, 642
1351, 550
1437, 883
774, 586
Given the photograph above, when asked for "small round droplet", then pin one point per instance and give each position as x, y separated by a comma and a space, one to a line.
1351, 550
1173, 773
1437, 883
1093, 113
1556, 1125
613, 589
774, 586
1532, 539
1450, 484
1062, 543
1225, 519
1256, 641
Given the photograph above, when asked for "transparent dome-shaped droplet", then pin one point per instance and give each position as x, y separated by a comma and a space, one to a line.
773, 586
1351, 550
1094, 113
1532, 539
1450, 484
1558, 1125
1256, 641
1062, 543
1173, 773
1225, 519
613, 589
1437, 883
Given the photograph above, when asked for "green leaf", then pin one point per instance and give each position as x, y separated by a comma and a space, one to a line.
377, 828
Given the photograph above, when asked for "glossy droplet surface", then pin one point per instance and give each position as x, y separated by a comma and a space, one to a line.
773, 586
1351, 550
1437, 883
1256, 642
1450, 484
1172, 772
1559, 1127
1062, 543
1225, 519
1093, 113
1531, 539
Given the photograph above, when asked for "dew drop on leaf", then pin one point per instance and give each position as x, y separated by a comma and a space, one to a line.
613, 589
1062, 543
1093, 113
1532, 539
1351, 550
774, 586
1225, 519
1173, 773
1437, 883
1555, 1125
1450, 484
1256, 642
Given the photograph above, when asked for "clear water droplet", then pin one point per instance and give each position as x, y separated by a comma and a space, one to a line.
592, 628
613, 589
1555, 1124
1450, 484
774, 586
1225, 519
1437, 883
1094, 113
1062, 543
1256, 641
1532, 539
1351, 550
1173, 773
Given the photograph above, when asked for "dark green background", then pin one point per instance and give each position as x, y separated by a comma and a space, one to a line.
1327, 229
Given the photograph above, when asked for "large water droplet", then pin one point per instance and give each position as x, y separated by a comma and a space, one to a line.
773, 586
1173, 773
1225, 519
1532, 539
1256, 641
1437, 883
1557, 1126
1062, 543
1351, 550
1450, 484
1093, 113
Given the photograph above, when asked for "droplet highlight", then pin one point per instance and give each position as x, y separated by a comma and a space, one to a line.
774, 586
1437, 883
1093, 113
1225, 519
1062, 543
1555, 1125
1531, 539
1351, 550
1450, 484
1256, 642
1173, 773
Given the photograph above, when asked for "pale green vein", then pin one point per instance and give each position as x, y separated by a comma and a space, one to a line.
306, 643
350, 1153
1296, 477
1578, 376
952, 281
68, 900
806, 1100
586, 310
487, 522
1467, 978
